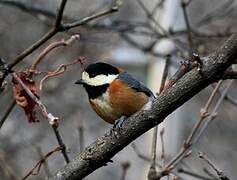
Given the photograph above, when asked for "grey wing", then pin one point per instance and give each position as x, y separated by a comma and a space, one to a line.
135, 84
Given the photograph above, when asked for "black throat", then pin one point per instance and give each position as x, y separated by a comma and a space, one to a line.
95, 91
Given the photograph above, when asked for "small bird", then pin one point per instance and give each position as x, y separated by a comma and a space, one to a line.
113, 93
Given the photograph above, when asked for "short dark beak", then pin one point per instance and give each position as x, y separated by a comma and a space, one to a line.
80, 82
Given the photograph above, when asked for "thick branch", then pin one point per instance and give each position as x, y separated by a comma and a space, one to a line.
103, 149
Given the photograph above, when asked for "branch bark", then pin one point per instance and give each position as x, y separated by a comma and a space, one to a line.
104, 148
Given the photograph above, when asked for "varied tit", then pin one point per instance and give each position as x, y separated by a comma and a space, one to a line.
113, 92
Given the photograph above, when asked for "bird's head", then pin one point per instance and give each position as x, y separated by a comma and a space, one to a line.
98, 74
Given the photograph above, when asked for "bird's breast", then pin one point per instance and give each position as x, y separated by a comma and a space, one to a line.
102, 107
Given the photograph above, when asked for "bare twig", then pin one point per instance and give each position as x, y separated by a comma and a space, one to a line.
158, 4
59, 16
45, 163
213, 115
60, 70
154, 138
151, 17
43, 109
58, 28
51, 47
184, 4
211, 174
220, 12
204, 112
220, 174
165, 73
53, 121
143, 156
90, 18
188, 143
60, 142
45, 38
35, 170
198, 128
33, 47
195, 175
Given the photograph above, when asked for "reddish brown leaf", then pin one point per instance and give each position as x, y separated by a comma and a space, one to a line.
22, 98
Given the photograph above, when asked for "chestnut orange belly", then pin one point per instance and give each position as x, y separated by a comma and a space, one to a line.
117, 102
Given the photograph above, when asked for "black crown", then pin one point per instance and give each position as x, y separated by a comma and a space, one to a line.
100, 68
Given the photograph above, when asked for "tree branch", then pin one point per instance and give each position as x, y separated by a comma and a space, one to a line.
104, 148
60, 14
58, 28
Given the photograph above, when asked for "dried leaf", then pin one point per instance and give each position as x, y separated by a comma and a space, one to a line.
22, 98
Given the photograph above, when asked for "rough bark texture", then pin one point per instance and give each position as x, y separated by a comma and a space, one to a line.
104, 148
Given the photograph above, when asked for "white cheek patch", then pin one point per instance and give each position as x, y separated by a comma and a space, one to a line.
99, 79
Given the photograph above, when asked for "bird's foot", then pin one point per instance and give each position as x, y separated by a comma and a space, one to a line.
119, 122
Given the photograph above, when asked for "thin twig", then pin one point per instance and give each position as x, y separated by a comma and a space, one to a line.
143, 156
8, 111
204, 112
53, 121
165, 73
45, 164
54, 31
151, 17
33, 47
188, 143
157, 6
51, 47
60, 70
59, 16
154, 138
195, 175
60, 142
35, 170
90, 18
184, 5
213, 115
220, 174
207, 172
218, 13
